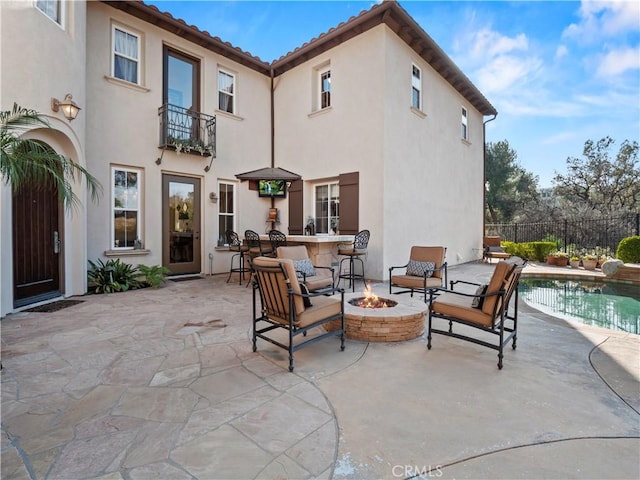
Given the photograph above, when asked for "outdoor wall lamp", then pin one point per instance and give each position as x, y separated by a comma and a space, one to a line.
68, 106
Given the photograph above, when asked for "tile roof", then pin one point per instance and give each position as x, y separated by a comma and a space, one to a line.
389, 12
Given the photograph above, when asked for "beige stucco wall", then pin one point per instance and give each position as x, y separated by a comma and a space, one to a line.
420, 184
34, 68
347, 137
124, 130
433, 180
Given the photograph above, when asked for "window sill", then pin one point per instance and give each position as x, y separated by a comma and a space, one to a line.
232, 116
320, 112
126, 253
465, 142
418, 112
124, 83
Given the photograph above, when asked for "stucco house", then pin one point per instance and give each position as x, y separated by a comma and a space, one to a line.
384, 130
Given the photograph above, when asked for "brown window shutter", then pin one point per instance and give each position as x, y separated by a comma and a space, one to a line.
349, 204
296, 217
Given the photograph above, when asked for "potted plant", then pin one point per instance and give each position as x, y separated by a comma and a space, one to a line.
561, 259
589, 261
574, 261
551, 259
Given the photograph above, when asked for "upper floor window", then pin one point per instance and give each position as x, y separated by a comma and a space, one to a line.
416, 87
327, 207
325, 88
226, 209
51, 8
465, 129
226, 92
126, 55
126, 221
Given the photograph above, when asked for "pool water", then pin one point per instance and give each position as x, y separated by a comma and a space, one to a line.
615, 306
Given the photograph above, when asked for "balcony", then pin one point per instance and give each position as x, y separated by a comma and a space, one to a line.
186, 131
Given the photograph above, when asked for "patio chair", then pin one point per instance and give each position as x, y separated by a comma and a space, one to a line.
425, 269
491, 248
486, 310
283, 305
317, 279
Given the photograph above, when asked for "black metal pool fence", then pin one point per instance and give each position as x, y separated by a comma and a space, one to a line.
571, 235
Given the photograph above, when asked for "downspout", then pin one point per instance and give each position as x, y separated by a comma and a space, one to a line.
273, 130
484, 170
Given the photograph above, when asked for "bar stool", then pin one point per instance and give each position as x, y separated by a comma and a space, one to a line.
256, 249
236, 246
352, 253
277, 239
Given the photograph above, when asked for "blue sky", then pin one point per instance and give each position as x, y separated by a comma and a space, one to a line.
559, 73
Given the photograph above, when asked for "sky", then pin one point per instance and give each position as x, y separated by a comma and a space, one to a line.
559, 73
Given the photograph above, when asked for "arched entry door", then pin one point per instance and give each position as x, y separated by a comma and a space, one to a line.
36, 245
181, 224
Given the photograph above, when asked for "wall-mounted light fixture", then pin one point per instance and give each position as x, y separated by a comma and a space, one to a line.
68, 106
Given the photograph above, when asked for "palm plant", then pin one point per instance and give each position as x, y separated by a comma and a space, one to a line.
28, 161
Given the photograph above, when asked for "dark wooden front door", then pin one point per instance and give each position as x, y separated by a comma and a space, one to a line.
36, 245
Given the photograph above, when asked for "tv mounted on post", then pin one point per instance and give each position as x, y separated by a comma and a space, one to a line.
272, 188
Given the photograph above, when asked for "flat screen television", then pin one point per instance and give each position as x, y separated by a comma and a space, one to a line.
272, 188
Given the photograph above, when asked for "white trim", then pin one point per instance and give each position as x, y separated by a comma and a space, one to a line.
137, 60
62, 12
416, 84
234, 206
464, 125
112, 207
321, 73
232, 94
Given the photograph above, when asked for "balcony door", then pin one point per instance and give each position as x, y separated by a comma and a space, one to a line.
182, 89
181, 224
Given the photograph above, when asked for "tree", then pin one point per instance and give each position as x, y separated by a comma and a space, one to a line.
509, 187
597, 183
28, 161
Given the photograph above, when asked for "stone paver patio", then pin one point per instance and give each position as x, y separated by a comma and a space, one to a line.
162, 384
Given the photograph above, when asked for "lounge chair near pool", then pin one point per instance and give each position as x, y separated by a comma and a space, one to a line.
491, 248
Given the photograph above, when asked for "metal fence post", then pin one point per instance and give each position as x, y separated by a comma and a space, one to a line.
564, 234
515, 232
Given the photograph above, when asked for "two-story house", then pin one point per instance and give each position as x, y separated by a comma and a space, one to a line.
384, 130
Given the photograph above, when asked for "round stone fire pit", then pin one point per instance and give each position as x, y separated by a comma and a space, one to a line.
401, 322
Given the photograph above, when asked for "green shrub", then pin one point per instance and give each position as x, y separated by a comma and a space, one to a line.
113, 276
629, 250
540, 250
154, 275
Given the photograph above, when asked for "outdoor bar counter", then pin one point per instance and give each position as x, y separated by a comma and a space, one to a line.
323, 249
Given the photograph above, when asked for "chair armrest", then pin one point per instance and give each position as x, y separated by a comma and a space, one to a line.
398, 266
462, 294
465, 282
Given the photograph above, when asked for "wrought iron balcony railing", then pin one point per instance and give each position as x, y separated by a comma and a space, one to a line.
184, 130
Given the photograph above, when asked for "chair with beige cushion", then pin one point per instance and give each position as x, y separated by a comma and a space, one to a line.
425, 269
485, 310
491, 248
317, 279
279, 303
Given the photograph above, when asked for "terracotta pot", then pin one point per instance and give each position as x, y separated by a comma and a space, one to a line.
551, 260
562, 261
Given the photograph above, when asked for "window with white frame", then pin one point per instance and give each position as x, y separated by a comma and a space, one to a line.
324, 88
465, 128
51, 8
126, 55
226, 208
327, 207
126, 186
416, 87
226, 91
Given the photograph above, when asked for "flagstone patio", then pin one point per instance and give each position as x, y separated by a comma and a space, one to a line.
163, 384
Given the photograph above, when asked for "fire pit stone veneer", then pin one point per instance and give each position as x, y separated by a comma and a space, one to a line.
404, 321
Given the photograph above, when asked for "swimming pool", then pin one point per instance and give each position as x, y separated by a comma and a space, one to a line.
615, 306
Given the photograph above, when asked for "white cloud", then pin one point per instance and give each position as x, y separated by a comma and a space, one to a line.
562, 51
619, 61
600, 20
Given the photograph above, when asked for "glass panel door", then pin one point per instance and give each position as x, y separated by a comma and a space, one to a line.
181, 205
